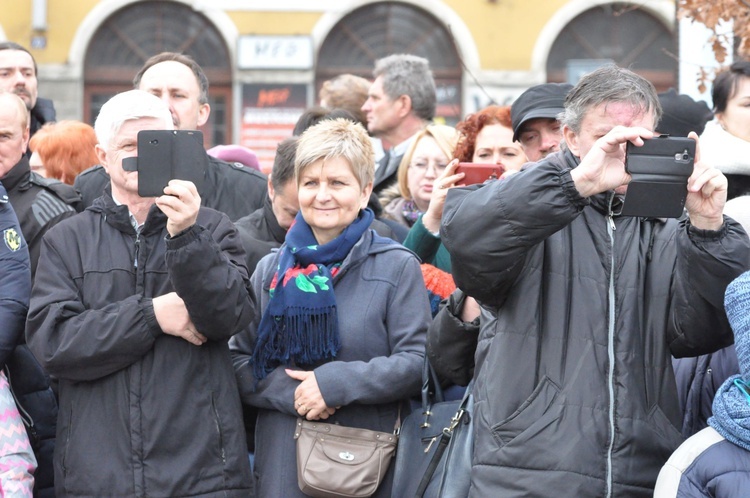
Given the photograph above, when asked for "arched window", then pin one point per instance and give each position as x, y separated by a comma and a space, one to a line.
381, 29
131, 35
622, 33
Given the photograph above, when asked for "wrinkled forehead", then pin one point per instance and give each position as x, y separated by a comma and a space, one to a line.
619, 113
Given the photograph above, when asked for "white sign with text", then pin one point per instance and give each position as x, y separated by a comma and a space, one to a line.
275, 52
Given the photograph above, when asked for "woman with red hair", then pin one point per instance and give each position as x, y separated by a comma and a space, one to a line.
62, 150
487, 137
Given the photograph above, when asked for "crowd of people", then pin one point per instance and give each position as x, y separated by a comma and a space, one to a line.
176, 341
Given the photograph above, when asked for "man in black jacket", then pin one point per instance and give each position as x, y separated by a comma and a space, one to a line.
40, 203
134, 303
534, 116
265, 228
573, 385
181, 83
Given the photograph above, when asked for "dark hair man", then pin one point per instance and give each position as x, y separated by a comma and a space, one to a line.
534, 115
573, 384
18, 74
265, 228
181, 83
39, 202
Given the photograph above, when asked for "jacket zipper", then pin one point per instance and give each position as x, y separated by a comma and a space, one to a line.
137, 248
610, 344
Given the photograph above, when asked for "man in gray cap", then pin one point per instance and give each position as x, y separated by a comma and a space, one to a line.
534, 117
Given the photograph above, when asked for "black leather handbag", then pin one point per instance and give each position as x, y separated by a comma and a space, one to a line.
433, 458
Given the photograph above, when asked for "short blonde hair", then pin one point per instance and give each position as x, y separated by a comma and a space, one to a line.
446, 138
337, 138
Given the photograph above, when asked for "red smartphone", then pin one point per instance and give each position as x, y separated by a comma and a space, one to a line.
479, 173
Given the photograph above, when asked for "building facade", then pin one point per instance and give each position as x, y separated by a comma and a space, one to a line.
266, 60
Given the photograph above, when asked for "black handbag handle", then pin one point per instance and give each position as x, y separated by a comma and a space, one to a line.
442, 444
431, 391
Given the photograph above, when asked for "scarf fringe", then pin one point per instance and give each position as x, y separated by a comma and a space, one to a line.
300, 337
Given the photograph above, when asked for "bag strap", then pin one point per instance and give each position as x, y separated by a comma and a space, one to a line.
442, 444
431, 391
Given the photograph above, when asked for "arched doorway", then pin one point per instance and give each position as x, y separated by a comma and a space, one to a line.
134, 33
380, 29
619, 32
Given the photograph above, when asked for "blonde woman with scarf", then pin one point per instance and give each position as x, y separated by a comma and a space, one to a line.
340, 336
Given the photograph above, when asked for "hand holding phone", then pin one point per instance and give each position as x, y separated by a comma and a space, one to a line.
181, 203
659, 171
475, 173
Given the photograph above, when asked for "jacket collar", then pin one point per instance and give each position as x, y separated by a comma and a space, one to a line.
118, 216
18, 175
278, 233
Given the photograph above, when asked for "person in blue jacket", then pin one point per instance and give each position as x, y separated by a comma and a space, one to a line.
715, 462
15, 278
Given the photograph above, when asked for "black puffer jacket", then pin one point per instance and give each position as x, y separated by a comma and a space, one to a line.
142, 413
40, 203
574, 390
42, 113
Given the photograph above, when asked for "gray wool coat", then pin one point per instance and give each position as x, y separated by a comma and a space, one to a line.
383, 313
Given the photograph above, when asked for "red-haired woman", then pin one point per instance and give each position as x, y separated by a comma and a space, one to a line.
62, 150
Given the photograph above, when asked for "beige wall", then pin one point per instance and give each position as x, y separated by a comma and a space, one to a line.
504, 43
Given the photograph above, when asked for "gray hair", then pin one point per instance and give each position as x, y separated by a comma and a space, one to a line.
609, 83
126, 106
405, 74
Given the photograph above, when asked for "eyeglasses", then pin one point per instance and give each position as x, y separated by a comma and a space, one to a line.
424, 166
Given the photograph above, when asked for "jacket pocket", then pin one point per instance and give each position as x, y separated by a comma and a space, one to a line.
663, 428
219, 431
65, 440
530, 413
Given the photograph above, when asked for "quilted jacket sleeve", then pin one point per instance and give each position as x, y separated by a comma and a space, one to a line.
707, 261
489, 230
207, 270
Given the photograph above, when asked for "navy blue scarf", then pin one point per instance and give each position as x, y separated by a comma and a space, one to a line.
300, 326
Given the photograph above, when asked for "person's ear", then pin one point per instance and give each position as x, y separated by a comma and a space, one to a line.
720, 119
26, 137
271, 192
203, 112
101, 155
571, 139
404, 106
365, 199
